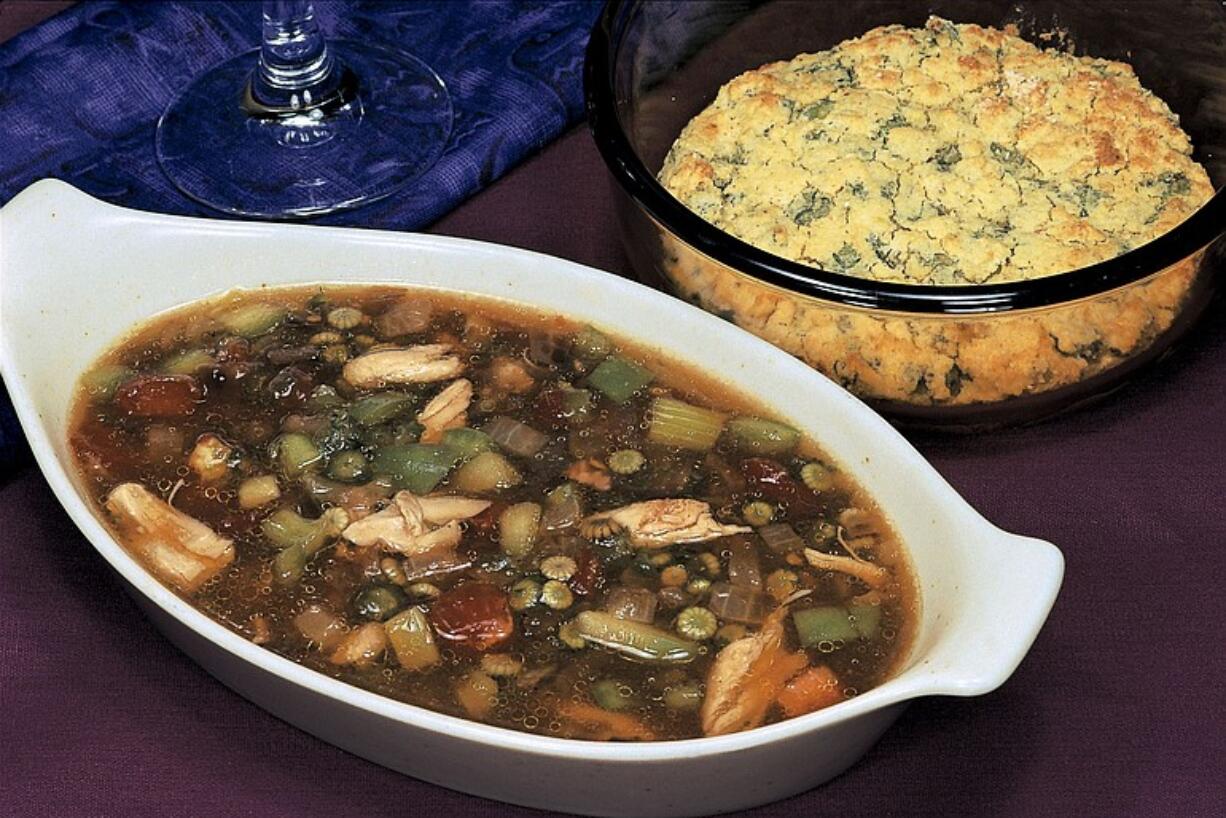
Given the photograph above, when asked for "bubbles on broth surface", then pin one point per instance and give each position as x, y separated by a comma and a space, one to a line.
553, 675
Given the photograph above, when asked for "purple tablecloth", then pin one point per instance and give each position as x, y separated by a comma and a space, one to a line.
1118, 710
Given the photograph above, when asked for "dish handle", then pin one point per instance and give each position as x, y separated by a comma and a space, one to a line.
998, 615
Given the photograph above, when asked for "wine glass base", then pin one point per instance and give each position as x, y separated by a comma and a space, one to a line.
310, 163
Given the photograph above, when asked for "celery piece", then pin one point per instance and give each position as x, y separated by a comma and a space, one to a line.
412, 640
252, 320
635, 639
188, 362
488, 471
300, 539
286, 528
289, 564
418, 467
102, 381
518, 527
676, 423
375, 409
296, 453
762, 436
619, 378
468, 443
591, 345
866, 619
827, 623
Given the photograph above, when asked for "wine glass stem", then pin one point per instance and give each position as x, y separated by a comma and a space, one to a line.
296, 70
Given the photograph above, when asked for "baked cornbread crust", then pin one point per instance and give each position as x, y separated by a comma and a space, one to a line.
1060, 162
951, 154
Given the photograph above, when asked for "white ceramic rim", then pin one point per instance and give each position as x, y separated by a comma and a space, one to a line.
53, 195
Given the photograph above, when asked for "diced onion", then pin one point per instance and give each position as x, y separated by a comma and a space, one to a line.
634, 604
515, 437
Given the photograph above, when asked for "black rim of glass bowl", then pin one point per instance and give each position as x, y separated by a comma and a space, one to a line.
1194, 233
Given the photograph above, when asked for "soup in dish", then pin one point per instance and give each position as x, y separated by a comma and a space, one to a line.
491, 513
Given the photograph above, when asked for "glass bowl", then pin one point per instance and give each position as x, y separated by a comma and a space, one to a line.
940, 356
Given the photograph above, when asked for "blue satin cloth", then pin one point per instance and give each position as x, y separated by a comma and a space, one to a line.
80, 95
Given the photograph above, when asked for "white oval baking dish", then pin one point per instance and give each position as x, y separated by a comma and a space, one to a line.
76, 273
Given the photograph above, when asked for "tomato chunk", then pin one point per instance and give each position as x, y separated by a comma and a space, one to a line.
159, 396
474, 614
772, 481
589, 573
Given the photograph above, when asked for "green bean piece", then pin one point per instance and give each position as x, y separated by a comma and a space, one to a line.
866, 619
467, 443
619, 379
348, 466
373, 410
634, 639
826, 623
762, 436
252, 320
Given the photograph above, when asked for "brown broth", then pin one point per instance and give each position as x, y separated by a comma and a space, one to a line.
257, 388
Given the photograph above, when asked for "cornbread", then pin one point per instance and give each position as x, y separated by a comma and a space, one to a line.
948, 155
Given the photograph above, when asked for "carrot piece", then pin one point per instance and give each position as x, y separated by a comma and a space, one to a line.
603, 724
810, 690
159, 396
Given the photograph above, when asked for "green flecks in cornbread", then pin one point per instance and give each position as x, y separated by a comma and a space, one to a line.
951, 154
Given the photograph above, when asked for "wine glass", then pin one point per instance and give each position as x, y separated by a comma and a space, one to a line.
303, 126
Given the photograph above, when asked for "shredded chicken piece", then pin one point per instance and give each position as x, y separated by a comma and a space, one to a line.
210, 459
420, 364
747, 675
415, 525
591, 472
658, 523
175, 546
446, 410
510, 375
874, 576
261, 634
361, 647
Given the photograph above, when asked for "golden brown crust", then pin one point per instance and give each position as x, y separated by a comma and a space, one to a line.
952, 154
